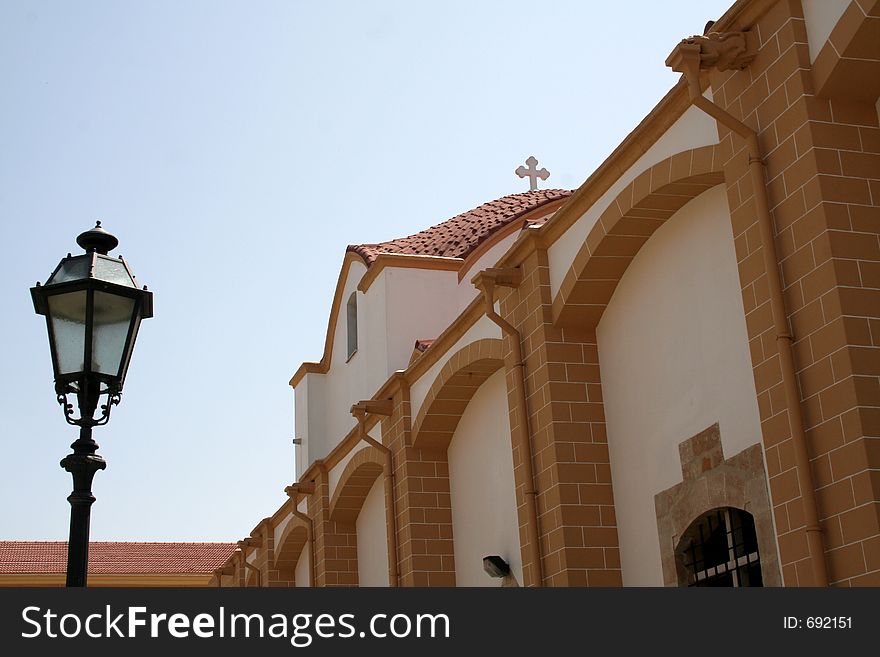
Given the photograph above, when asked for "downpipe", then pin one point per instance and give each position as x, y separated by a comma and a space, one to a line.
687, 59
359, 411
486, 281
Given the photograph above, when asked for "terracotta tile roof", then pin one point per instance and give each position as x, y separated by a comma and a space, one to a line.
457, 237
421, 345
418, 349
106, 558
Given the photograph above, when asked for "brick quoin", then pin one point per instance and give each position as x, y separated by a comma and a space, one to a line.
577, 522
822, 157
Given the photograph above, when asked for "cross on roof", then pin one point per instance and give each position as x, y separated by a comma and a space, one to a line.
532, 173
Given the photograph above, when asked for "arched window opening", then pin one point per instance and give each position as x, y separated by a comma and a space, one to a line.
352, 321
720, 548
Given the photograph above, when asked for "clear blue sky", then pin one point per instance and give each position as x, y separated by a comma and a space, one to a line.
235, 148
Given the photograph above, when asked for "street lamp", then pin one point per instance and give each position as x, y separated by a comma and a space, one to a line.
93, 308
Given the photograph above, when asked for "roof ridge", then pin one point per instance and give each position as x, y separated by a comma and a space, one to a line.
116, 557
460, 235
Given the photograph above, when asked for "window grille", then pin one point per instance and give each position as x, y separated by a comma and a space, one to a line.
721, 549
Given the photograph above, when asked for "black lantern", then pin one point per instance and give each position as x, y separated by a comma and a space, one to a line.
93, 308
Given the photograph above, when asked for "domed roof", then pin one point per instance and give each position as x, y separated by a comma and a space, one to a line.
457, 237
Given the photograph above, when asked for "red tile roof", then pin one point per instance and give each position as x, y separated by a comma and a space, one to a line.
457, 237
422, 345
418, 349
106, 558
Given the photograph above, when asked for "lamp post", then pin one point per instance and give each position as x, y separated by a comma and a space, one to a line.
93, 308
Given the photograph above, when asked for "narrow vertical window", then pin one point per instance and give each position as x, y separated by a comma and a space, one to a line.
352, 315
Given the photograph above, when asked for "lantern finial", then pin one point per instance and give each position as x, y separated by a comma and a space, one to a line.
97, 239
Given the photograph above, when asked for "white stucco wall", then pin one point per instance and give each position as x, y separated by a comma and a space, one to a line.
673, 352
693, 129
309, 421
484, 519
482, 328
278, 532
820, 17
350, 380
420, 304
323, 401
402, 305
301, 428
372, 541
466, 291
335, 473
301, 572
369, 365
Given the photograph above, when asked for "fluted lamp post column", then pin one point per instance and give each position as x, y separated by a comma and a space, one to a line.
93, 308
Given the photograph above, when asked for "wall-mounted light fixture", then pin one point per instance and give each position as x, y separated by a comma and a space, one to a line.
495, 566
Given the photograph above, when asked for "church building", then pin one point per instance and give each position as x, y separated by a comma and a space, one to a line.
669, 376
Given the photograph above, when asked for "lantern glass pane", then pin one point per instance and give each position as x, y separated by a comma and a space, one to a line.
67, 312
112, 317
127, 357
71, 269
112, 270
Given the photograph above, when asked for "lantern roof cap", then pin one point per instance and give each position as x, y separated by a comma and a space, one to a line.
94, 264
93, 269
97, 239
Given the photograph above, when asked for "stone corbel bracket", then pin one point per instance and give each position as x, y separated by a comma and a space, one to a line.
373, 406
300, 488
726, 51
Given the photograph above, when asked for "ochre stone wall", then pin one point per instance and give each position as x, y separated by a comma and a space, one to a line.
572, 473
822, 160
822, 157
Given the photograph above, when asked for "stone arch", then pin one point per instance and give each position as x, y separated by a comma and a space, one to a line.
452, 390
743, 561
626, 224
848, 65
711, 481
355, 483
294, 540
